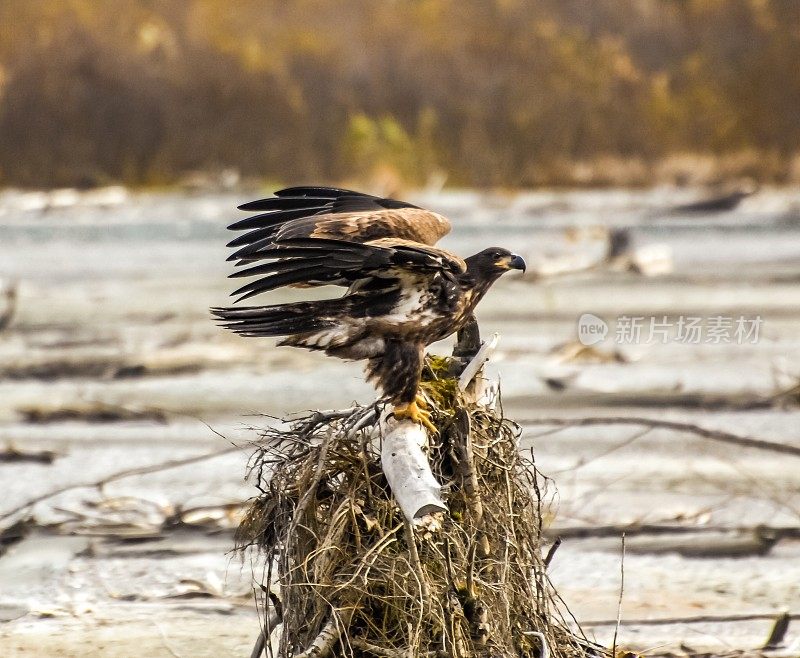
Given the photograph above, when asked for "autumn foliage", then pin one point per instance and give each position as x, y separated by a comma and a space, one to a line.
501, 92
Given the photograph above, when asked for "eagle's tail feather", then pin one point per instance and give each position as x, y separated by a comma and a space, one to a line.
280, 319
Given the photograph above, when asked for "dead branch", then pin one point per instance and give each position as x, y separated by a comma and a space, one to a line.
653, 423
544, 651
405, 465
468, 340
262, 641
633, 530
778, 632
119, 475
552, 552
7, 315
698, 619
461, 437
328, 636
375, 650
619, 601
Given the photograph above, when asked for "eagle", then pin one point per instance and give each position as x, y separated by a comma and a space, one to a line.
402, 292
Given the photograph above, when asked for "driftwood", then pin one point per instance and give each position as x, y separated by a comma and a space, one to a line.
20, 510
408, 471
656, 423
12, 454
7, 313
782, 619
399, 543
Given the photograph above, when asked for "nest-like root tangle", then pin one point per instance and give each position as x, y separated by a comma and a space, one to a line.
355, 579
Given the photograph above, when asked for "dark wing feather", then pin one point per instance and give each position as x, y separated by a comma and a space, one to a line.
291, 203
300, 273
310, 261
279, 265
285, 203
340, 200
320, 261
363, 203
250, 238
278, 217
264, 237
381, 257
318, 191
301, 212
343, 200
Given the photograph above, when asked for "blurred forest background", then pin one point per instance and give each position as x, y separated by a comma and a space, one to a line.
484, 93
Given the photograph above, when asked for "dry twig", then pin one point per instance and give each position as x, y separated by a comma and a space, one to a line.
690, 428
621, 593
119, 475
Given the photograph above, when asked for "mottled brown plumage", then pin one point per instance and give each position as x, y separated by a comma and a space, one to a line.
403, 293
315, 212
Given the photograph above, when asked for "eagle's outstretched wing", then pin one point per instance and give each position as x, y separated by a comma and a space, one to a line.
324, 261
331, 213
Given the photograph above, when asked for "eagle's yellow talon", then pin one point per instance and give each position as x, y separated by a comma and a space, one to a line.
413, 412
425, 419
422, 403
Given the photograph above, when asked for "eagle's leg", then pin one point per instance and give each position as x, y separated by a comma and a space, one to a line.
398, 371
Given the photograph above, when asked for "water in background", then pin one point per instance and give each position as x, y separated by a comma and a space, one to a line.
112, 361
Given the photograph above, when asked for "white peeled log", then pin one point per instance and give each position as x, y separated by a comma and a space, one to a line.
408, 471
474, 367
471, 382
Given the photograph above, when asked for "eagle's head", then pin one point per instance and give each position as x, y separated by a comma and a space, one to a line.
490, 263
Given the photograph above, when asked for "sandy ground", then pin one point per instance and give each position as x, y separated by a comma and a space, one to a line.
112, 363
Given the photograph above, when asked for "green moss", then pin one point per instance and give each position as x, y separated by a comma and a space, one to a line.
439, 384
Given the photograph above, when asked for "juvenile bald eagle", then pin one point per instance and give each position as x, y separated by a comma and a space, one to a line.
402, 292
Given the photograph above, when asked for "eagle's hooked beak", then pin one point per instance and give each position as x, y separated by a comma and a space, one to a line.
516, 263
